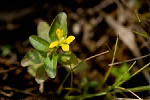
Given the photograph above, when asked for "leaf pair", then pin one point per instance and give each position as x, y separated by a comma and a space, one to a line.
50, 65
47, 34
48, 69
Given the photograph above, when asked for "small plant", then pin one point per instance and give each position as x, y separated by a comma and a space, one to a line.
45, 56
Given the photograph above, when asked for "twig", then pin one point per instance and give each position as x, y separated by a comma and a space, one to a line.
125, 61
8, 61
17, 90
90, 58
10, 16
96, 55
6, 94
124, 89
8, 70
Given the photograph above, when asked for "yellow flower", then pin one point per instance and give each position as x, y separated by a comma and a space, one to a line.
63, 42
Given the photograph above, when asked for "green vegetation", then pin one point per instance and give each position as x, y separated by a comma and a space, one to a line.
46, 55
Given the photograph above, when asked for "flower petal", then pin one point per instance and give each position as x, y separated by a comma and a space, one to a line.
65, 47
53, 44
59, 33
69, 39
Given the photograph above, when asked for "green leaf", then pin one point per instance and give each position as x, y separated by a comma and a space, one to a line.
68, 59
32, 57
33, 69
118, 72
39, 43
51, 65
60, 22
43, 30
41, 75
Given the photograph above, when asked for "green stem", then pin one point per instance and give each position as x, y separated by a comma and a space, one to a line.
142, 34
140, 70
71, 83
140, 88
86, 96
110, 68
61, 86
136, 89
